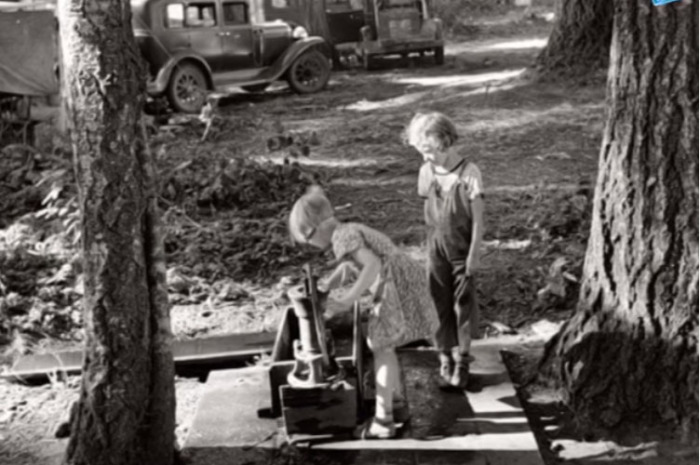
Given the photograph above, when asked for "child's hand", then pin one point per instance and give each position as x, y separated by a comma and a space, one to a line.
344, 302
333, 308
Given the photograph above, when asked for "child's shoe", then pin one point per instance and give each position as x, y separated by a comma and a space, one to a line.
460, 376
446, 367
375, 429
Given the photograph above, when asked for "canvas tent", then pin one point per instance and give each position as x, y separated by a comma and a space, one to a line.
28, 53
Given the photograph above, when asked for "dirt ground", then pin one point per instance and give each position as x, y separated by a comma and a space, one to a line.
230, 260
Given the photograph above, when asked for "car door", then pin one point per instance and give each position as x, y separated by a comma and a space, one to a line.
239, 41
202, 27
345, 19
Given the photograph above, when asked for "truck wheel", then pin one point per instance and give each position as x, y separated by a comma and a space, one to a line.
439, 55
187, 91
309, 73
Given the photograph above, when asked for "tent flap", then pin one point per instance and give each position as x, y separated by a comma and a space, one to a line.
28, 53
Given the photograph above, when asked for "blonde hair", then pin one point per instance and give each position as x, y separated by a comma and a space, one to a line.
308, 213
434, 125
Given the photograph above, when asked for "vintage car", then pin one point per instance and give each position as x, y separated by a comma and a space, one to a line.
194, 46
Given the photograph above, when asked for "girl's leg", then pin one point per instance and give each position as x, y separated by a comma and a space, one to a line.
381, 426
386, 372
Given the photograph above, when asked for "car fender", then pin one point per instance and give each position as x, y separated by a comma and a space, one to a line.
283, 63
158, 85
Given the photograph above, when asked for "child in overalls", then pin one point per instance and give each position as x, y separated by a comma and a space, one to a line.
453, 193
402, 310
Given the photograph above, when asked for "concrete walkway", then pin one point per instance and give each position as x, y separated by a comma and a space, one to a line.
484, 425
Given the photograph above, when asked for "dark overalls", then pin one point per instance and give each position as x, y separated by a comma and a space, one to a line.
448, 216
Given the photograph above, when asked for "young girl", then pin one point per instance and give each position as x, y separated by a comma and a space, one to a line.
453, 193
402, 311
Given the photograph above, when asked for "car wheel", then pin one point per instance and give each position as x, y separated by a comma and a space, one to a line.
439, 53
255, 88
309, 73
187, 91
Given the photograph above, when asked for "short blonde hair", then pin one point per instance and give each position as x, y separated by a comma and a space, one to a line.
433, 125
308, 213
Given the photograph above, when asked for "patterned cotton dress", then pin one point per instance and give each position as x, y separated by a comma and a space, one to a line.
403, 311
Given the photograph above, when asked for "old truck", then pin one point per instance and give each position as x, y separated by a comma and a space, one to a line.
368, 28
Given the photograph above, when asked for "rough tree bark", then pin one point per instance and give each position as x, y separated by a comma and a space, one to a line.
580, 40
630, 352
125, 414
316, 22
314, 13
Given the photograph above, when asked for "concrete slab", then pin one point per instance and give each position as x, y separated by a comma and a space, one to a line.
484, 426
231, 410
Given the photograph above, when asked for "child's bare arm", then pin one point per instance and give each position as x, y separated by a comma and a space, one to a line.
477, 233
371, 266
342, 273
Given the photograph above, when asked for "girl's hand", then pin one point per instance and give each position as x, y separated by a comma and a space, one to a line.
343, 273
344, 302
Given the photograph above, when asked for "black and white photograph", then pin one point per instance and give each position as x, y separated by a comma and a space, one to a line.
349, 232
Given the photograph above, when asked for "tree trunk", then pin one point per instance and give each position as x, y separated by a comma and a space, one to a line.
125, 414
580, 40
630, 352
316, 23
314, 13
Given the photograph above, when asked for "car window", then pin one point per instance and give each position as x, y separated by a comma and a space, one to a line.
343, 5
200, 15
175, 15
235, 13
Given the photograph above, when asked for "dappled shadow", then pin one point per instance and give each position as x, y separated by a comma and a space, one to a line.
392, 84
386, 455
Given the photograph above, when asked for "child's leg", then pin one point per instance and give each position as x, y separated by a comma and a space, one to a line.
386, 372
467, 325
381, 426
467, 311
440, 281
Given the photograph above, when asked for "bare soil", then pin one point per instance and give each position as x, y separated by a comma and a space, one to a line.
230, 260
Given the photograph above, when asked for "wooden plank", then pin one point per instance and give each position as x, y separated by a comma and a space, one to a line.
358, 357
286, 334
319, 410
435, 413
217, 350
278, 378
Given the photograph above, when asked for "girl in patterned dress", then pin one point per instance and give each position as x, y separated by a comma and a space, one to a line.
402, 310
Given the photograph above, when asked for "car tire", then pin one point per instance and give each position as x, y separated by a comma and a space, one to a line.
309, 73
439, 54
187, 90
255, 88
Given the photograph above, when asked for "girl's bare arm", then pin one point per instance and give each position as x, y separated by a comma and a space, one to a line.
370, 267
342, 273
